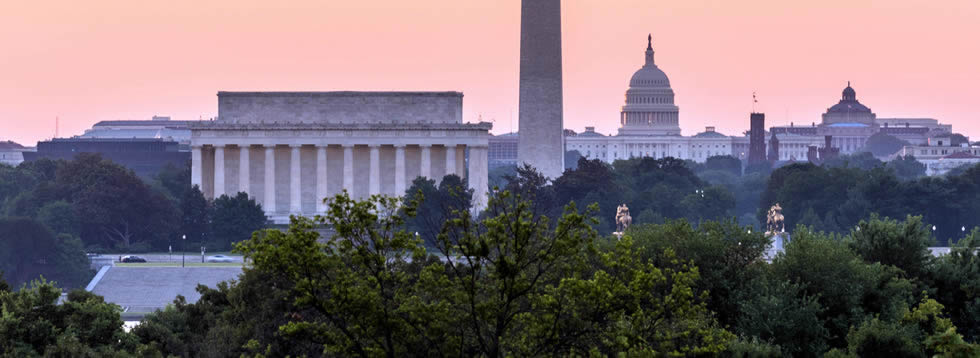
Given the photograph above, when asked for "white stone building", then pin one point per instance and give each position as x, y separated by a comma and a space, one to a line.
289, 150
650, 125
12, 153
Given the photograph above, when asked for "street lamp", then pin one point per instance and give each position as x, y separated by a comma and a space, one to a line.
183, 238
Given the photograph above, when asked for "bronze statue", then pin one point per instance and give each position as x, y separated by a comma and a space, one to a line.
774, 221
623, 218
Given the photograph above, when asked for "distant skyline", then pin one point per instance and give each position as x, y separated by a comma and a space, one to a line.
113, 60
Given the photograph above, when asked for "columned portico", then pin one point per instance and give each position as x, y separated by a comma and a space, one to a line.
321, 178
451, 160
295, 203
196, 166
244, 177
349, 168
269, 204
399, 169
374, 178
365, 153
219, 171
426, 161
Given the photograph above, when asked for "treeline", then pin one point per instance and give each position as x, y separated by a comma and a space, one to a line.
830, 197
54, 211
834, 198
520, 284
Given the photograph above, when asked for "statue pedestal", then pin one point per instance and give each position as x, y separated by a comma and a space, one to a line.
618, 234
778, 244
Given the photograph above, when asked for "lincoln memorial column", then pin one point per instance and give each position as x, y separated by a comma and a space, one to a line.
295, 205
450, 159
425, 162
270, 179
374, 180
478, 176
196, 168
243, 174
349, 169
219, 171
321, 178
399, 170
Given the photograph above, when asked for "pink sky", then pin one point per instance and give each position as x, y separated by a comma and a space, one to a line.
105, 60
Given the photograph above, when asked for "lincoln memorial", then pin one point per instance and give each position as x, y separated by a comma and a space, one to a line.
289, 150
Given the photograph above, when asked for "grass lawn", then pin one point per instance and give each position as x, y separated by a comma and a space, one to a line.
177, 264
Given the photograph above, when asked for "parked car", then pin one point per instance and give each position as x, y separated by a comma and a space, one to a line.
220, 258
132, 258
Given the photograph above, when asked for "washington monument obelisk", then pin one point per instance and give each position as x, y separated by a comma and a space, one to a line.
541, 143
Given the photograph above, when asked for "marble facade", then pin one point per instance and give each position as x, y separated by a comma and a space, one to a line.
289, 150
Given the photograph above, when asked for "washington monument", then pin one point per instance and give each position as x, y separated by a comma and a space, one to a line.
541, 141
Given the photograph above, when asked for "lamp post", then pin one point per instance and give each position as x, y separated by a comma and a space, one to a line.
182, 239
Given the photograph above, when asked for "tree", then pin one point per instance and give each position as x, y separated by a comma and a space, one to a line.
571, 159
901, 244
780, 312
174, 180
882, 145
59, 216
907, 167
593, 179
29, 250
196, 215
723, 252
957, 139
116, 207
436, 205
957, 287
234, 219
859, 160
846, 288
724, 163
33, 323
528, 184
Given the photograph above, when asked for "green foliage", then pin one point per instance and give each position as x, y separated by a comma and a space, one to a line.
195, 215
782, 313
752, 348
572, 158
234, 219
28, 250
175, 181
840, 196
723, 252
60, 218
859, 160
956, 279
435, 205
907, 167
885, 339
725, 163
846, 288
511, 284
33, 324
117, 208
901, 244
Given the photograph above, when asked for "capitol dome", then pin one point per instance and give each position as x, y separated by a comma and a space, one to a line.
649, 76
649, 108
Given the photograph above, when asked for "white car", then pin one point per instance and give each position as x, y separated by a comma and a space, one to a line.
220, 258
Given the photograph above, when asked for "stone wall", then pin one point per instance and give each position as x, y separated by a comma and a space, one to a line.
340, 107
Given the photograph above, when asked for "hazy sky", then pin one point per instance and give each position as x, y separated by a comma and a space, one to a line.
101, 60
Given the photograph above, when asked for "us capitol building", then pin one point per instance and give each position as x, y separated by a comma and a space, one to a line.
649, 127
649, 124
